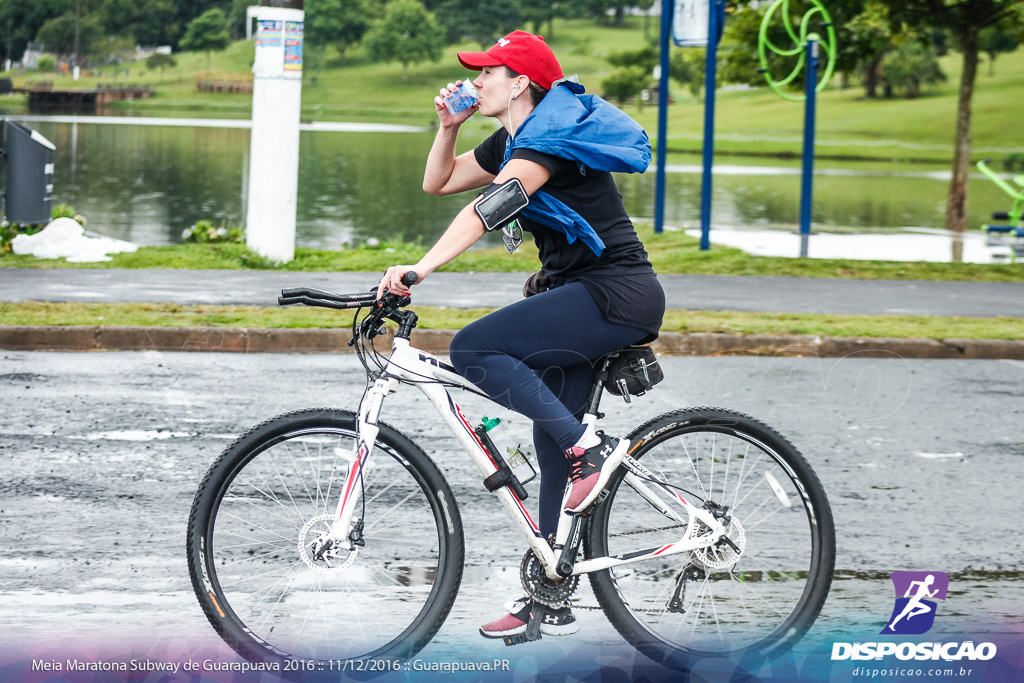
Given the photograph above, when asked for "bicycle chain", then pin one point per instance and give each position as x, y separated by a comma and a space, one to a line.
646, 531
634, 533
529, 559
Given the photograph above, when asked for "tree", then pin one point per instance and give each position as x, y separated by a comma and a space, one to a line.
22, 20
482, 22
911, 66
634, 74
407, 33
159, 60
341, 23
625, 83
58, 34
191, 9
113, 50
601, 10
645, 57
688, 67
737, 51
207, 33
864, 42
150, 22
238, 16
965, 19
540, 12
995, 40
645, 7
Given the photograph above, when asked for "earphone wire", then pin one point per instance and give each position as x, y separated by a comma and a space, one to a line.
508, 110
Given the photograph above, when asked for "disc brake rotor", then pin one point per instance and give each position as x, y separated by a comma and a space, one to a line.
722, 555
313, 539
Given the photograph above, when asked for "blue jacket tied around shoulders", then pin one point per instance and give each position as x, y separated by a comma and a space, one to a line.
585, 129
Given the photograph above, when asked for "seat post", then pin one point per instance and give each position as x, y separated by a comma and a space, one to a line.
597, 387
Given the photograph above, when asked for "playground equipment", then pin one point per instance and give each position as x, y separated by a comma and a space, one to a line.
806, 45
1013, 231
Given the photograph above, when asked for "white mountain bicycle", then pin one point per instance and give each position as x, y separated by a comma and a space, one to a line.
325, 539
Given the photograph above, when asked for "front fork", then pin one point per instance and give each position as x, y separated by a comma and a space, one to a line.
343, 531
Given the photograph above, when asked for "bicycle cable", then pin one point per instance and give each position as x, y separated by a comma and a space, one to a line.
365, 348
694, 494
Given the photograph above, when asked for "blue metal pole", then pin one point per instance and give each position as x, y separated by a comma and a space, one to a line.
716, 16
667, 7
807, 178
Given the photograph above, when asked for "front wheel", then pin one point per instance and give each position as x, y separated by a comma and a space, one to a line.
715, 601
257, 556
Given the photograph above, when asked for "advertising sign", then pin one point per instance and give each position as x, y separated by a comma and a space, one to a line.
690, 23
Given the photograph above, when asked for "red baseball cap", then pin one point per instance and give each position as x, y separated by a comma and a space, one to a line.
522, 52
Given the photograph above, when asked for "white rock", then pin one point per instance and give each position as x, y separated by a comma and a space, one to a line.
65, 238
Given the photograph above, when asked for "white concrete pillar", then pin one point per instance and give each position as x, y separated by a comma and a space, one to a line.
274, 147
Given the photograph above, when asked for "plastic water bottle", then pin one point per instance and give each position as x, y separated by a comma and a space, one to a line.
464, 97
514, 457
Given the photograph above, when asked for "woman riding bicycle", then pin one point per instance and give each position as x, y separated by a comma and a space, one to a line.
597, 292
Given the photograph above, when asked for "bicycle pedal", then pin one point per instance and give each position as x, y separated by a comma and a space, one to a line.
519, 639
592, 508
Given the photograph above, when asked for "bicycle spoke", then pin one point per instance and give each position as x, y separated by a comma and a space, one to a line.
295, 466
236, 499
694, 469
747, 526
730, 601
279, 574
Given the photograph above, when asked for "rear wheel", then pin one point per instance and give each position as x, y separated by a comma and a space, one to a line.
256, 545
715, 601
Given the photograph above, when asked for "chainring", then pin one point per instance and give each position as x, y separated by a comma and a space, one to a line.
542, 589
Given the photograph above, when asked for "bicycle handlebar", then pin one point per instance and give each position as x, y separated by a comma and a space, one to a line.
318, 297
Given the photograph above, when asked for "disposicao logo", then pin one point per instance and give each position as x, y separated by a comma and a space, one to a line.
913, 614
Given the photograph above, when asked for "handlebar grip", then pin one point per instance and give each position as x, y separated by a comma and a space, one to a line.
410, 278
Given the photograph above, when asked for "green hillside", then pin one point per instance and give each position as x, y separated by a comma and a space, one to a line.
753, 121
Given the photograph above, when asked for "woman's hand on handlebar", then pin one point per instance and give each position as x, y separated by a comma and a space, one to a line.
398, 279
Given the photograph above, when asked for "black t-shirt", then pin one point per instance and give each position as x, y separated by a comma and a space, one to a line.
621, 280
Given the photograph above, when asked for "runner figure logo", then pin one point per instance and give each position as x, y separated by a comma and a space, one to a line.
913, 612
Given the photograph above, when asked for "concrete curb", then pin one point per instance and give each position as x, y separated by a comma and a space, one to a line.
292, 340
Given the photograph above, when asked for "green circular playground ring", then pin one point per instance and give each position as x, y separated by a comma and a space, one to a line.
799, 39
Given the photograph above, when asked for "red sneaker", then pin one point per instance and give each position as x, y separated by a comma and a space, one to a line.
590, 469
557, 622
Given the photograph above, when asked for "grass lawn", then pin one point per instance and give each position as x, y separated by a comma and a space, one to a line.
748, 122
729, 322
671, 252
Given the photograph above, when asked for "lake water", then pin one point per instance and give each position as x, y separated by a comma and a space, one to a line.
147, 183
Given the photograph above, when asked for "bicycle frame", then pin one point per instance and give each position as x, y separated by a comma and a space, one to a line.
410, 365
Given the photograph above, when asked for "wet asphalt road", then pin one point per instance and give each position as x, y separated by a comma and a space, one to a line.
468, 290
101, 453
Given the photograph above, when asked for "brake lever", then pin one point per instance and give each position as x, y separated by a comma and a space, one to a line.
373, 325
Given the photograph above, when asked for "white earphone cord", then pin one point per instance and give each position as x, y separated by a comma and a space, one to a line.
508, 110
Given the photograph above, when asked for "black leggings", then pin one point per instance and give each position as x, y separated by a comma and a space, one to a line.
535, 357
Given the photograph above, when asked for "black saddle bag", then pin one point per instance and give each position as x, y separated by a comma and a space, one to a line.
634, 372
